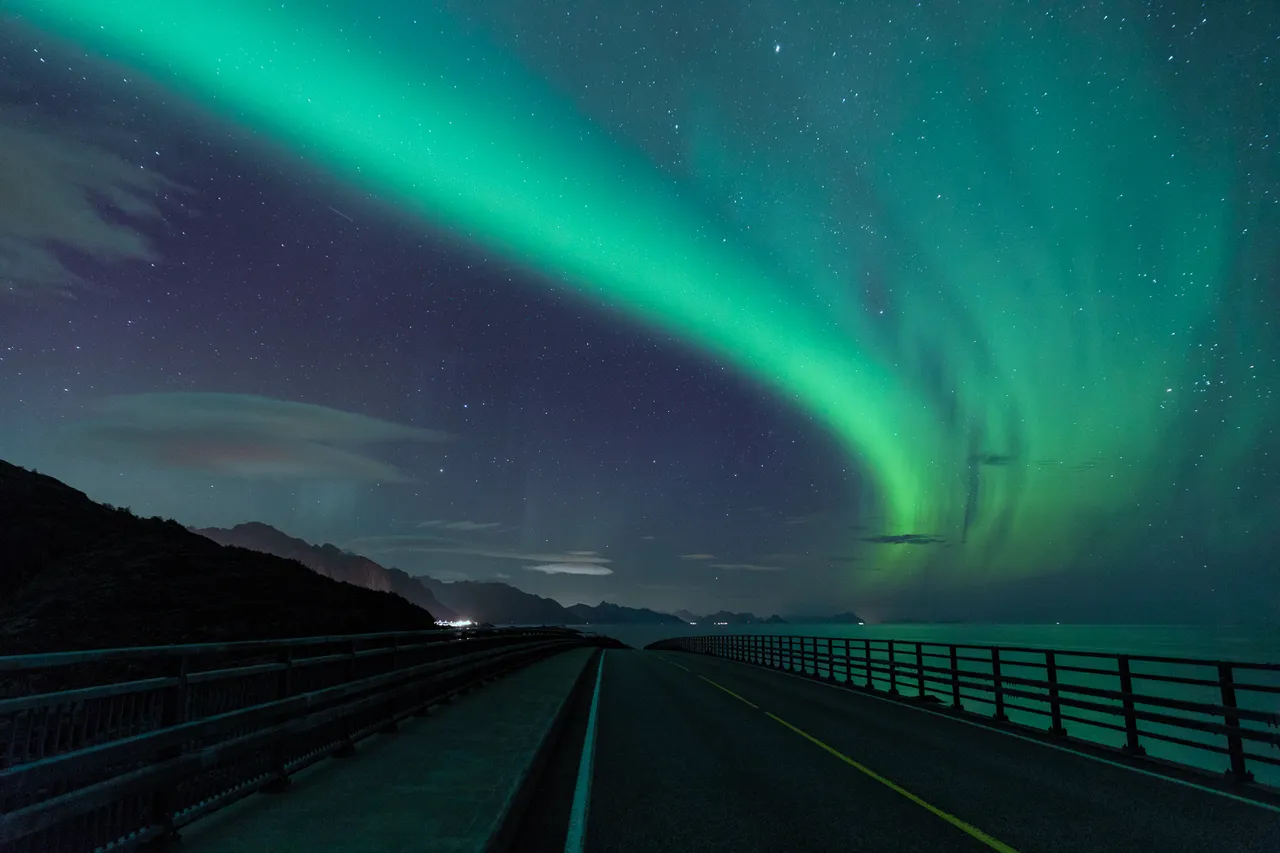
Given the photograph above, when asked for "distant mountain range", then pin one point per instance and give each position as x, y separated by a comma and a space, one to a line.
728, 618
75, 574
332, 562
480, 601
605, 613
725, 617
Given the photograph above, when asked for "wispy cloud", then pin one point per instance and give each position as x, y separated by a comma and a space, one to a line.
905, 539
59, 194
697, 556
461, 526
746, 567
240, 435
410, 543
570, 569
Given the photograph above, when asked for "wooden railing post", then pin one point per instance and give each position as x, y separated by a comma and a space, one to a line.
997, 686
1238, 772
1055, 706
1131, 744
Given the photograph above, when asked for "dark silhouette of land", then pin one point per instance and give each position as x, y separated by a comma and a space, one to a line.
330, 561
75, 574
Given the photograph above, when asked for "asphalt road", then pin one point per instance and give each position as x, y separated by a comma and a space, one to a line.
682, 764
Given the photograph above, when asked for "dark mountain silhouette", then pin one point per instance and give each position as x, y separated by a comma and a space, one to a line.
332, 562
846, 618
605, 613
75, 574
499, 603
730, 618
489, 602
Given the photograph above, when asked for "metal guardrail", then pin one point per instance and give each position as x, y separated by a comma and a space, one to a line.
120, 748
1056, 686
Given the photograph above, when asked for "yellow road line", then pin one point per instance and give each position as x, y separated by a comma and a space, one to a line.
712, 683
730, 692
969, 829
993, 843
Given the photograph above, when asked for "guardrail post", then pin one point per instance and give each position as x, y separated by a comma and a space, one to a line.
1131, 744
1235, 744
346, 748
848, 666
391, 727
173, 712
831, 660
1055, 706
893, 670
997, 686
955, 680
284, 689
866, 661
920, 670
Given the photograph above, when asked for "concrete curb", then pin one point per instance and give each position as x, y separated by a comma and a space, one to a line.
502, 836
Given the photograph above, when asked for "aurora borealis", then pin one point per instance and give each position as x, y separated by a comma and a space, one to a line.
1019, 263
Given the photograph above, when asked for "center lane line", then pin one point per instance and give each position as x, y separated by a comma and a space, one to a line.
963, 826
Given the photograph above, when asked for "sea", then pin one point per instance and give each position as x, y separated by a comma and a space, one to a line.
1210, 644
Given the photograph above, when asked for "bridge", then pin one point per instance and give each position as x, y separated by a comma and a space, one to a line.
550, 739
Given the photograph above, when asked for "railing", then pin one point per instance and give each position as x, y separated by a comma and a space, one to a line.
1213, 707
122, 747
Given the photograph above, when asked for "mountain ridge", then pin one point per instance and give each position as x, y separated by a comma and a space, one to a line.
76, 574
330, 561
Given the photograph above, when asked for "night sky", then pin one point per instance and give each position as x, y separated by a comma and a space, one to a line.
959, 310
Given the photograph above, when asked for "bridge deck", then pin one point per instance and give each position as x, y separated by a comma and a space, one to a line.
763, 761
439, 784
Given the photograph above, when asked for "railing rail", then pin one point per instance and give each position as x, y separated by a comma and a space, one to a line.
122, 747
1239, 721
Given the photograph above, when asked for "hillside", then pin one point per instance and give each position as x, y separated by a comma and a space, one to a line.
497, 603
332, 562
75, 574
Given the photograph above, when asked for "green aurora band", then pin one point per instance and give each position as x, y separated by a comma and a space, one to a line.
1008, 383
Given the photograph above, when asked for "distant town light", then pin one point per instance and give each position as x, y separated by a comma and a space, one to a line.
460, 623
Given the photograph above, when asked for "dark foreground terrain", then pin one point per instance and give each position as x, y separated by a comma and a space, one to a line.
75, 574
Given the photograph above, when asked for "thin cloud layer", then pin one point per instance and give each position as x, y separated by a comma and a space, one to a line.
241, 435
432, 545
746, 567
570, 569
463, 526
59, 195
697, 556
905, 539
